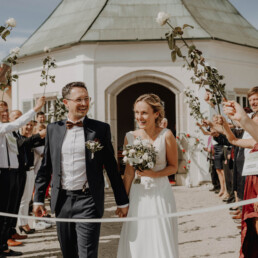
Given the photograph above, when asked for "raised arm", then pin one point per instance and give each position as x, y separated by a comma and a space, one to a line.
203, 131
235, 112
23, 120
243, 143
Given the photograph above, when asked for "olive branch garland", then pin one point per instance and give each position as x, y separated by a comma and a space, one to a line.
205, 76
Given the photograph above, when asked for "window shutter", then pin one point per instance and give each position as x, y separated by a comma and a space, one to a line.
26, 105
231, 95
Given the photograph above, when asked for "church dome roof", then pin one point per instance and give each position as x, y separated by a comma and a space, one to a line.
78, 21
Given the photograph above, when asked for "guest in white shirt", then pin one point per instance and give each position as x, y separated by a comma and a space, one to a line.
8, 164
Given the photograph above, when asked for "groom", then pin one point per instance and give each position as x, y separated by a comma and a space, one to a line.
77, 175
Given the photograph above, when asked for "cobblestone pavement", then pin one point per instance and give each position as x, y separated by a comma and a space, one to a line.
203, 235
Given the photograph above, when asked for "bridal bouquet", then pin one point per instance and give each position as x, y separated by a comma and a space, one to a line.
141, 155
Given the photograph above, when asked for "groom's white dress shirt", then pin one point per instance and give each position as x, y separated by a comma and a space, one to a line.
73, 163
5, 129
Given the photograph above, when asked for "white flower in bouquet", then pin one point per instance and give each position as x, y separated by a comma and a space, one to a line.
132, 151
150, 165
15, 51
162, 18
141, 155
11, 22
145, 156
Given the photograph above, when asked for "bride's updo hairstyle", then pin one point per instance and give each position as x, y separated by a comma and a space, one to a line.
154, 101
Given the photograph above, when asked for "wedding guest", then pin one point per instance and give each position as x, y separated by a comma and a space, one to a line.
77, 184
219, 140
228, 171
15, 177
41, 118
26, 133
38, 156
8, 165
210, 158
249, 230
23, 144
249, 227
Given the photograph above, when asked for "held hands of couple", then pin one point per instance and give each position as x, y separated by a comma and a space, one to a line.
122, 212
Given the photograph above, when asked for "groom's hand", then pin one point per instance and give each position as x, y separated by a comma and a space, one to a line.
122, 212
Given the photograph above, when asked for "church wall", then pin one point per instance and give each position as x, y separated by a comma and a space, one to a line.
100, 65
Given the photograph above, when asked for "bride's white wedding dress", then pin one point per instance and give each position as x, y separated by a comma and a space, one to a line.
152, 238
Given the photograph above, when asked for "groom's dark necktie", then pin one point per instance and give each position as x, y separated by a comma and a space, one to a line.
70, 125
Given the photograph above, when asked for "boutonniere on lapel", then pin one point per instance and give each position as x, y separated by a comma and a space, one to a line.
93, 146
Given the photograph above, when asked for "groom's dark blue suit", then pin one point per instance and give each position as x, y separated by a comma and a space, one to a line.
88, 204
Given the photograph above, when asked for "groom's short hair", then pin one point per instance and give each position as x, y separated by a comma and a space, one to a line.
68, 87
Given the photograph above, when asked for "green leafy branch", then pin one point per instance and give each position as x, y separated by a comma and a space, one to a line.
204, 75
194, 105
48, 64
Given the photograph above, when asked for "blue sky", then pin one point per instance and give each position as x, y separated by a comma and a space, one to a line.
30, 14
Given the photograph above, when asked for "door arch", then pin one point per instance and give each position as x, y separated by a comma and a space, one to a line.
142, 77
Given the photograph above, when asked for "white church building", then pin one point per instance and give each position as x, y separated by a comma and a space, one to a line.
120, 52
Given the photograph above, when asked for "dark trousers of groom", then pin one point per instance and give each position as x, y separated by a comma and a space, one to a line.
77, 205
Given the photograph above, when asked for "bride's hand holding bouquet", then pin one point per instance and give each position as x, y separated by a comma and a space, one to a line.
146, 172
142, 156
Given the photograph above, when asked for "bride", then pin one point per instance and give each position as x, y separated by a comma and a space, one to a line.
152, 238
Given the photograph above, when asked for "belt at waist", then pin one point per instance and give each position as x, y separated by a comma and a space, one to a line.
75, 192
8, 169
